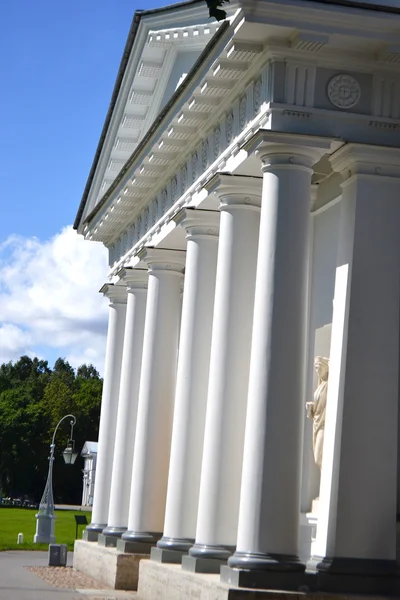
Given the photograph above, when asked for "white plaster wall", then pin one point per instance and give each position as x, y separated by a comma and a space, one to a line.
325, 229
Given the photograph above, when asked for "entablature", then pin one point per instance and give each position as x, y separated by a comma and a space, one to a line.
255, 75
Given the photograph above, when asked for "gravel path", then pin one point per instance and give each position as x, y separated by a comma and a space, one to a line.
68, 578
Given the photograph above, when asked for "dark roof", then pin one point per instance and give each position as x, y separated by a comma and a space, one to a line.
137, 17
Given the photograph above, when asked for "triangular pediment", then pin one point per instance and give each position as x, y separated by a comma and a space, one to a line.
163, 45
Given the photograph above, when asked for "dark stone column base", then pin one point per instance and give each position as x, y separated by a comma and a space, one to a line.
208, 551
205, 558
313, 563
182, 545
162, 555
114, 531
126, 547
358, 576
271, 580
144, 537
266, 562
201, 565
92, 532
107, 541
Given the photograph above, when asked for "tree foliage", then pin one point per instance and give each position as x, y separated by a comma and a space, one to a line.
215, 10
33, 398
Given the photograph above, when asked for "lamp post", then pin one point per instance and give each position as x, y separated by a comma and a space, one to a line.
45, 517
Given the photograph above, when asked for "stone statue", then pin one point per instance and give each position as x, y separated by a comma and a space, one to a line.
316, 410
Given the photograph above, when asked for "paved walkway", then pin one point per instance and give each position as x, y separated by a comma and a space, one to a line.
18, 583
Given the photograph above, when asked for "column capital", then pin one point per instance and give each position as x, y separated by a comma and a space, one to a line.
365, 160
134, 278
204, 223
116, 293
160, 259
236, 190
288, 149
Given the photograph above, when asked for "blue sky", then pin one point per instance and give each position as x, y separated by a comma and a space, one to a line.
59, 60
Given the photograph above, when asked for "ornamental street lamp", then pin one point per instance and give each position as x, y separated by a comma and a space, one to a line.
45, 517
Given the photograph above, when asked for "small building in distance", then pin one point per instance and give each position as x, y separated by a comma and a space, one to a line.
89, 454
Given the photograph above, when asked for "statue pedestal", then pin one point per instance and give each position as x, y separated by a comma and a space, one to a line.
315, 507
308, 532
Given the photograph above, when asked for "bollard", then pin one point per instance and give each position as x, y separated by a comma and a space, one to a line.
20, 539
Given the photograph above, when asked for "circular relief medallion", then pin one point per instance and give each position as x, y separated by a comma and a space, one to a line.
344, 91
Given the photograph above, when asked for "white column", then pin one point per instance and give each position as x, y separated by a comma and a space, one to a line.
270, 494
156, 396
117, 295
192, 380
136, 281
229, 367
357, 512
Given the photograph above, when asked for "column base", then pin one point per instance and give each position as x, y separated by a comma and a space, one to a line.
264, 571
93, 531
358, 576
114, 531
107, 541
171, 550
209, 551
146, 537
126, 547
290, 581
253, 561
201, 565
162, 555
177, 544
205, 558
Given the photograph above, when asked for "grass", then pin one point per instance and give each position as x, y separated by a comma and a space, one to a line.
22, 520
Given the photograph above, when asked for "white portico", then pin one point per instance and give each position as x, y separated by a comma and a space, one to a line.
247, 186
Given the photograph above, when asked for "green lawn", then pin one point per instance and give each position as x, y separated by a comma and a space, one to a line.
21, 520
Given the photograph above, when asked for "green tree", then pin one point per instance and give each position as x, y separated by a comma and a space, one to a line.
63, 371
215, 10
87, 372
33, 398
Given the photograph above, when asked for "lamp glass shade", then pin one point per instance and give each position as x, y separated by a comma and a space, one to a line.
69, 455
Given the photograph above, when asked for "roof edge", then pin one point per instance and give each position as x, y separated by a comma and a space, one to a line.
153, 128
137, 17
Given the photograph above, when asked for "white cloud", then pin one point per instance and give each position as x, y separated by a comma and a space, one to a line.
49, 300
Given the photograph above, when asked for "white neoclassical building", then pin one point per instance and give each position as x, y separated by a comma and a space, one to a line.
247, 187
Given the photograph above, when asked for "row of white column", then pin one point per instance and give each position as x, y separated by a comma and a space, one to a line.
201, 452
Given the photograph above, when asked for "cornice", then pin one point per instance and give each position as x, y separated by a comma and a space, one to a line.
117, 294
267, 142
326, 17
366, 160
